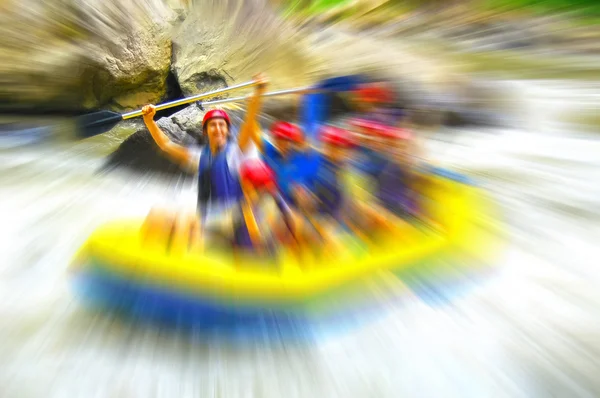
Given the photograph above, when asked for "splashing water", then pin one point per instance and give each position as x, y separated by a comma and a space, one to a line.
529, 330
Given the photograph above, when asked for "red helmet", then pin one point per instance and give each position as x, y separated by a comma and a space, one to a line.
286, 131
375, 93
336, 136
367, 125
258, 174
395, 133
214, 114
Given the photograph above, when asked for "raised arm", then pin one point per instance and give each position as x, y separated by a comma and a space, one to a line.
257, 138
177, 153
249, 130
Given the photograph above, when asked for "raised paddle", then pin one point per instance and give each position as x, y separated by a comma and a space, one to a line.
100, 122
300, 90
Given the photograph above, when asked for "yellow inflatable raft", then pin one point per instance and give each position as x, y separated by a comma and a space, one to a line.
116, 269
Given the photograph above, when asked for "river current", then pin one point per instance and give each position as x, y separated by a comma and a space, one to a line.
530, 329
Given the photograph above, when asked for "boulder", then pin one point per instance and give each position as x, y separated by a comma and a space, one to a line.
130, 73
139, 151
77, 55
209, 54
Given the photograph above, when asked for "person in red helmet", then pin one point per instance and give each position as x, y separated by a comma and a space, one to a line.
361, 211
287, 137
217, 163
374, 93
376, 102
252, 232
328, 183
337, 210
290, 158
322, 192
395, 182
371, 158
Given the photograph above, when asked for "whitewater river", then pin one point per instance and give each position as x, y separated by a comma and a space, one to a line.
530, 329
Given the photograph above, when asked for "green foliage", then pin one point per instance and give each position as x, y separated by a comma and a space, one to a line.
586, 8
313, 6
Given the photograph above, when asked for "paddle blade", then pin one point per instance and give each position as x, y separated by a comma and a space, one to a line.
342, 83
97, 123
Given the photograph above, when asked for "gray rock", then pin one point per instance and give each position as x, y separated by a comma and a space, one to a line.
189, 120
140, 154
74, 54
185, 126
132, 72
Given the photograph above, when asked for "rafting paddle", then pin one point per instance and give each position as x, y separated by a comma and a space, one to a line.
300, 90
100, 122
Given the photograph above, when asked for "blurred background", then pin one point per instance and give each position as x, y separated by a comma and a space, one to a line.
506, 91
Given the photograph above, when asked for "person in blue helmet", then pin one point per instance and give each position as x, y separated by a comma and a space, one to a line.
217, 163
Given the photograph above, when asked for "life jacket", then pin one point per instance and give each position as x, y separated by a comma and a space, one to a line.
216, 184
393, 189
328, 188
370, 162
241, 235
294, 169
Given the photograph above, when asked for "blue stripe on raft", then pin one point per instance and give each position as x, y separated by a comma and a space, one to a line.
173, 308
152, 304
451, 175
342, 83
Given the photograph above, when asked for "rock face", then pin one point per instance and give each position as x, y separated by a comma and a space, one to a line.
76, 55
227, 42
122, 54
430, 90
112, 54
131, 72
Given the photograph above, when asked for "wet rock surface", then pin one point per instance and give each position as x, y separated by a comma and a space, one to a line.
140, 153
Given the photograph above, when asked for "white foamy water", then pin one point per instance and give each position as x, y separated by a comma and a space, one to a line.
532, 329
